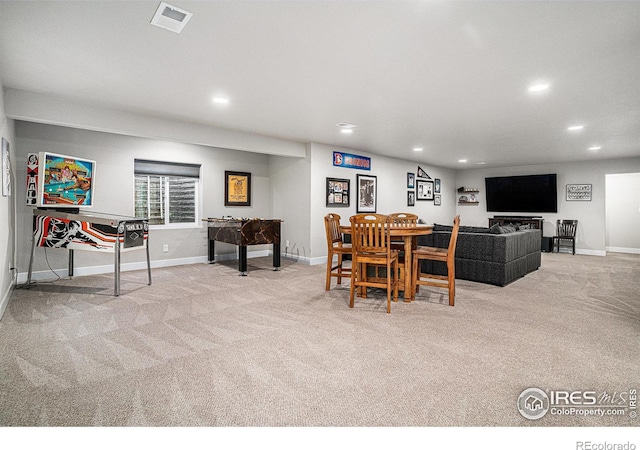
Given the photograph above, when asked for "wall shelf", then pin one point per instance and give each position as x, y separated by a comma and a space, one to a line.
469, 198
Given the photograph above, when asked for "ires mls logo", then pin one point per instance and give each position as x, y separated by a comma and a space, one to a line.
534, 403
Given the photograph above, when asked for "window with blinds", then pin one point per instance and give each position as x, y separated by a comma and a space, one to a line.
166, 193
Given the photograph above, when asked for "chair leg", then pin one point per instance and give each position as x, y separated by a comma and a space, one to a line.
389, 288
339, 268
414, 278
329, 264
451, 279
352, 288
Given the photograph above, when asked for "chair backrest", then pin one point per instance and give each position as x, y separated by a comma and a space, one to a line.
454, 237
403, 219
332, 228
370, 233
566, 228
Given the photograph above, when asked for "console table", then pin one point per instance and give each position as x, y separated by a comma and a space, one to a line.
533, 221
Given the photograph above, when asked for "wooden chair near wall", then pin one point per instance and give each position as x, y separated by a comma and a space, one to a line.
437, 254
565, 231
371, 244
335, 247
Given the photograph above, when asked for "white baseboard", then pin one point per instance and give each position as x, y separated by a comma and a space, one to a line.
635, 251
4, 301
580, 251
126, 267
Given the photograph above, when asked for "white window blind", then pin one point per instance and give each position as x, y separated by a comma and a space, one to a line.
166, 193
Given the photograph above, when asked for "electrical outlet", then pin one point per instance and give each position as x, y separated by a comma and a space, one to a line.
165, 248
286, 243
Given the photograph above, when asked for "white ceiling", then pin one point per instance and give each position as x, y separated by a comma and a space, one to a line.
448, 76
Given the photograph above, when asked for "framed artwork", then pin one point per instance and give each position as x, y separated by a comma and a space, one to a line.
424, 190
423, 174
436, 186
411, 198
437, 200
237, 188
411, 180
578, 192
367, 193
338, 192
6, 168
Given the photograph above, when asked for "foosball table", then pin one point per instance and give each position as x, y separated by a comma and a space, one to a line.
244, 232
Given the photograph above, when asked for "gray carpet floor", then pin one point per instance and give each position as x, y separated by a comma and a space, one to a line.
203, 346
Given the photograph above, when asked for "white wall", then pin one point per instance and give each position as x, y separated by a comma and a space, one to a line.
623, 212
7, 215
590, 215
391, 191
114, 193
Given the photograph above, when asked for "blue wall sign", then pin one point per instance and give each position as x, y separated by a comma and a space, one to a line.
351, 161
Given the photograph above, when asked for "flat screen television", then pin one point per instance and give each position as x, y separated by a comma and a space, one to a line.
64, 181
525, 193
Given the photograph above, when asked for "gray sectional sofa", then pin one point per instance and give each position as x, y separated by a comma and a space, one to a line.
496, 255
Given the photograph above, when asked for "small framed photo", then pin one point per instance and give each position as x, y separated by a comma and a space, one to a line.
436, 186
578, 192
367, 193
424, 190
338, 192
411, 198
437, 200
411, 180
237, 188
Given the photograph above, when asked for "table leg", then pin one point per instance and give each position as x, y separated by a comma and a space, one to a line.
408, 248
242, 261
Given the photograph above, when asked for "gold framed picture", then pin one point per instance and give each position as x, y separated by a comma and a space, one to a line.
237, 188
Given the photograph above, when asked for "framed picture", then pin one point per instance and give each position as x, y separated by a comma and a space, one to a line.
424, 190
436, 187
237, 188
411, 198
367, 193
437, 200
578, 192
411, 180
6, 168
338, 192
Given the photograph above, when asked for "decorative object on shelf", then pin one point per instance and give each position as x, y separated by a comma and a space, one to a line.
423, 174
237, 188
437, 200
470, 196
578, 192
411, 180
367, 193
411, 198
6, 168
437, 186
338, 192
425, 190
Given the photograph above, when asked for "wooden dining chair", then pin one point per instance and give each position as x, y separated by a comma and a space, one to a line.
565, 231
335, 247
437, 254
401, 220
371, 246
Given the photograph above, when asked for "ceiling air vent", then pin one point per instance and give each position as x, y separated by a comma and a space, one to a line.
171, 18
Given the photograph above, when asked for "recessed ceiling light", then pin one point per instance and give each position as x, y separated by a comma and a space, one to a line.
576, 128
462, 160
346, 130
595, 148
345, 125
538, 87
219, 100
417, 149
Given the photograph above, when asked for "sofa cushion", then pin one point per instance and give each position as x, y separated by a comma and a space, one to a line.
501, 229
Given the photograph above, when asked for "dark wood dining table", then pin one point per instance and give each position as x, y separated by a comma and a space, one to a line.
409, 234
